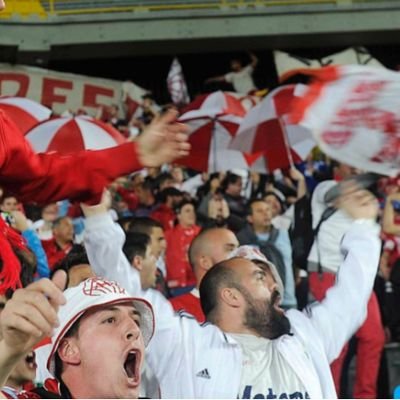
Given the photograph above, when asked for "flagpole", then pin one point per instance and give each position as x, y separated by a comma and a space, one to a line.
214, 139
286, 140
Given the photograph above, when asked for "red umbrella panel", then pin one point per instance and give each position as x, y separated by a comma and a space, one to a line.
25, 113
71, 134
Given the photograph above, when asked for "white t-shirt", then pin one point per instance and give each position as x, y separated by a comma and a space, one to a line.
265, 373
326, 249
241, 81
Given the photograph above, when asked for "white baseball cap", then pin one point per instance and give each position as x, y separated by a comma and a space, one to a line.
91, 293
254, 254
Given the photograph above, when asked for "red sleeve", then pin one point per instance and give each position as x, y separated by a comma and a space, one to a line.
50, 177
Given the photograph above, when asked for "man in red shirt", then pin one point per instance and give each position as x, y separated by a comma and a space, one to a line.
61, 243
180, 276
164, 213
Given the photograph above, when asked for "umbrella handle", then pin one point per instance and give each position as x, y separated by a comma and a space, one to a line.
286, 140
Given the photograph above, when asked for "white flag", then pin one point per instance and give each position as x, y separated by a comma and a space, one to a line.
354, 114
176, 84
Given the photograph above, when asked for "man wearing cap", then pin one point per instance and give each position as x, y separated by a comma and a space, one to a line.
250, 347
97, 345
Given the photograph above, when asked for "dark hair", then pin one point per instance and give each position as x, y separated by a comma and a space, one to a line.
125, 222
220, 275
229, 179
28, 262
280, 200
182, 204
7, 195
148, 96
170, 191
148, 184
76, 256
236, 59
143, 225
249, 206
135, 245
164, 176
72, 331
204, 189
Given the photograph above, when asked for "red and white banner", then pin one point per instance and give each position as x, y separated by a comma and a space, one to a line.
60, 91
288, 65
354, 114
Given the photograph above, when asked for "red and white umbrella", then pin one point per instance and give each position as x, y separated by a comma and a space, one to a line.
24, 112
248, 101
71, 134
213, 120
266, 129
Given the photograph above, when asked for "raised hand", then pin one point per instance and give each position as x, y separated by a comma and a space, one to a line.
358, 203
101, 208
31, 315
20, 222
163, 141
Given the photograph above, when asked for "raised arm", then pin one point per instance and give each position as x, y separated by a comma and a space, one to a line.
344, 308
50, 177
220, 78
299, 178
253, 60
104, 240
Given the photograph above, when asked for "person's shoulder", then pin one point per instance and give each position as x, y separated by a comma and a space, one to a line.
248, 68
229, 76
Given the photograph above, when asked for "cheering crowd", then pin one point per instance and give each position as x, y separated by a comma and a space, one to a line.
178, 280
125, 275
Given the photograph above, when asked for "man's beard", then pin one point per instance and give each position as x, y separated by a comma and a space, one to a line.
262, 317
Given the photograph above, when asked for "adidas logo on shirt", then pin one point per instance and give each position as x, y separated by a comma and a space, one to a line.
204, 374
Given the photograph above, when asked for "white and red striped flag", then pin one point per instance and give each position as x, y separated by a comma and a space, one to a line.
354, 115
177, 85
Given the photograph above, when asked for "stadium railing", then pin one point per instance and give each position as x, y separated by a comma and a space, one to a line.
45, 8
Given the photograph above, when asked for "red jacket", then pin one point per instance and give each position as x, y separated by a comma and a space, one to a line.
189, 303
54, 252
179, 271
51, 177
165, 215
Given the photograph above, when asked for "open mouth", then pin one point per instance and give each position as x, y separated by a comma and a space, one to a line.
276, 304
131, 367
30, 360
